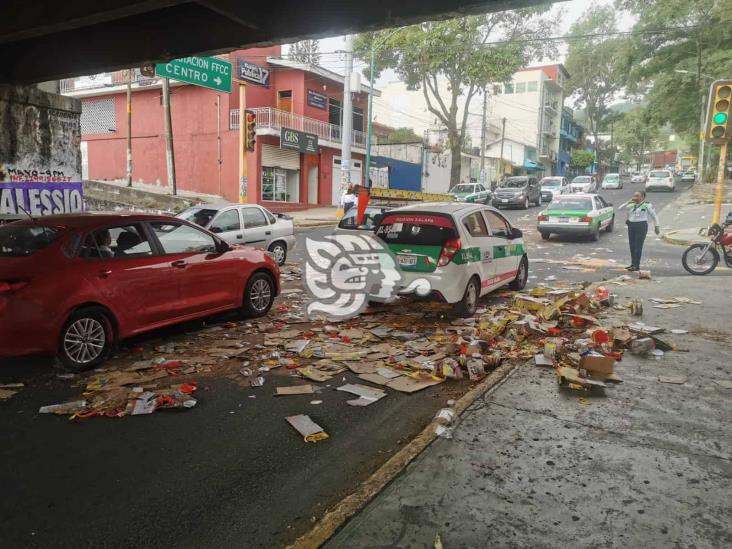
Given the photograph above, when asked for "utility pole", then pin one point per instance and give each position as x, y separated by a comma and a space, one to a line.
129, 127
347, 122
243, 165
169, 154
482, 135
218, 139
503, 137
719, 191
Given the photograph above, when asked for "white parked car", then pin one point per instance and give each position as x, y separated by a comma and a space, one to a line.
551, 187
638, 178
248, 224
689, 176
661, 179
463, 250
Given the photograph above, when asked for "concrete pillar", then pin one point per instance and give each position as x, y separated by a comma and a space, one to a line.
40, 155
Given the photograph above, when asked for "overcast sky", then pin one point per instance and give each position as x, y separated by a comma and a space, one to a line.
572, 10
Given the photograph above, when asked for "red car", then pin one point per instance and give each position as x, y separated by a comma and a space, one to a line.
75, 285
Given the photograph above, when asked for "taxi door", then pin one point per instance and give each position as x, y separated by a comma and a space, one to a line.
604, 212
479, 250
506, 253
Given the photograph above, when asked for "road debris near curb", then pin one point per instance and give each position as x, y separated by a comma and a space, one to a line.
310, 431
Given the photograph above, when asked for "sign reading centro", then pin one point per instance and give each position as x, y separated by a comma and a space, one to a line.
207, 72
40, 198
298, 141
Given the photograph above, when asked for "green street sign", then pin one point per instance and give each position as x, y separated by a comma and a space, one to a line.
207, 72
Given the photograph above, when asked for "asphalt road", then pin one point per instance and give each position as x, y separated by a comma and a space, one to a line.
231, 472
661, 258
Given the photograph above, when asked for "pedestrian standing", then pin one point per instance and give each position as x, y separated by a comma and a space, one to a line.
348, 200
639, 210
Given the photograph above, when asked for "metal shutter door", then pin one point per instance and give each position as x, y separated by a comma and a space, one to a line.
274, 157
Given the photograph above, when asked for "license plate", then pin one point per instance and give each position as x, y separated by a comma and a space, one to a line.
565, 219
407, 260
504, 200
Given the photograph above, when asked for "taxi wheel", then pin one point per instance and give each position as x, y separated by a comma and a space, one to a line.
519, 283
595, 236
469, 304
611, 225
545, 235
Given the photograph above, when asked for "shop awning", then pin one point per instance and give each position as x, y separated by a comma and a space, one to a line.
530, 165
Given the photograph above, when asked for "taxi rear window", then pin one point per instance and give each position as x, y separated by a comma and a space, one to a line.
429, 229
578, 204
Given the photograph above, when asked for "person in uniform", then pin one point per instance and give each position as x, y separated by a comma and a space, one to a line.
638, 213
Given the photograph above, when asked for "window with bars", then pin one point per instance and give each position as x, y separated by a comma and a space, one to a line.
98, 116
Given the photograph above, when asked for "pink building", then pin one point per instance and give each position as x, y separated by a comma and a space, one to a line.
282, 93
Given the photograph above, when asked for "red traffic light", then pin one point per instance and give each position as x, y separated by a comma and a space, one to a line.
250, 118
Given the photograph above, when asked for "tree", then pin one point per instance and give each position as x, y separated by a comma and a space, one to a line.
593, 65
400, 135
305, 51
581, 159
695, 36
452, 61
636, 133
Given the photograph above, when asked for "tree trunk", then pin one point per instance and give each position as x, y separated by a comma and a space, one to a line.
455, 150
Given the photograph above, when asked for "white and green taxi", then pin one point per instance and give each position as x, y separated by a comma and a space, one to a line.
577, 214
463, 250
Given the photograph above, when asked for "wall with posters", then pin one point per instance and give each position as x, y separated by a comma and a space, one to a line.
40, 156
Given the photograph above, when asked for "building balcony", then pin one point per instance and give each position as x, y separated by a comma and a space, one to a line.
270, 121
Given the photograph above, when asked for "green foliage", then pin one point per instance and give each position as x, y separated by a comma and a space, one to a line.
595, 67
698, 39
635, 133
581, 158
453, 60
400, 135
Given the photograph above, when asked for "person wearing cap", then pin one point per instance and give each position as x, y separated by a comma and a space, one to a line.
639, 212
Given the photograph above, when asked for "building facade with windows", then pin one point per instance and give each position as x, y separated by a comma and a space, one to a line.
571, 138
532, 105
284, 94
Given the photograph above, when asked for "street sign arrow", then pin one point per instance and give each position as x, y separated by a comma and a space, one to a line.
207, 72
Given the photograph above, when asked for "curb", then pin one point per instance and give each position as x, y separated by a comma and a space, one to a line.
670, 239
331, 223
334, 519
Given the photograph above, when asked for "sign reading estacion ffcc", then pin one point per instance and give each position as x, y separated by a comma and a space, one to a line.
298, 141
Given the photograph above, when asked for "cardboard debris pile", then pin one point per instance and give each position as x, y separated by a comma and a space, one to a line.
587, 344
140, 389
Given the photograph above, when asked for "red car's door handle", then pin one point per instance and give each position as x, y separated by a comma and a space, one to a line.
104, 274
180, 264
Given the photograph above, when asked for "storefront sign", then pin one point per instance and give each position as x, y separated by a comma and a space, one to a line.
317, 100
41, 198
298, 141
253, 73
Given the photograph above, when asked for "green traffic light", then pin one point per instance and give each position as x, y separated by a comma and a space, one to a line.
720, 118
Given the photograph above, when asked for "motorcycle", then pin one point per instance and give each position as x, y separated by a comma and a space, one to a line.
702, 258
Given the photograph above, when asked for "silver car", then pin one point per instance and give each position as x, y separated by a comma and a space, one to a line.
248, 224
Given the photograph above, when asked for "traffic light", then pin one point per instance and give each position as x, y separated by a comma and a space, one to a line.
250, 119
719, 129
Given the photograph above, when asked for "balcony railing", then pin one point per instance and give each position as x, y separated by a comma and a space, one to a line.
268, 117
105, 80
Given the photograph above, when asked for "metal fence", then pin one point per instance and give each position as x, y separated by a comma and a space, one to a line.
268, 117
105, 80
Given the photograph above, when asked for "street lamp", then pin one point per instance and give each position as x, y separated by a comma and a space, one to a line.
374, 44
702, 119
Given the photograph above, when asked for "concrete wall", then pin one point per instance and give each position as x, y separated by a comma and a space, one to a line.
40, 134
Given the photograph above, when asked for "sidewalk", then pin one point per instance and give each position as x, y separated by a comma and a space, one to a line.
647, 464
314, 217
685, 216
